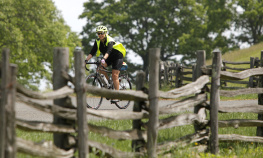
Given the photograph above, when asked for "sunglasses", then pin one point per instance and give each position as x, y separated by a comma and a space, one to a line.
100, 33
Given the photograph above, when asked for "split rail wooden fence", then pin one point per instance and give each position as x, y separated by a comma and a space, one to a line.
236, 67
218, 75
70, 120
177, 75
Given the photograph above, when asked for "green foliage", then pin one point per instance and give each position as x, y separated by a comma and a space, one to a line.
249, 20
31, 29
175, 26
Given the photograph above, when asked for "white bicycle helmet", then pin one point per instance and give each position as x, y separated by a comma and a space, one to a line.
102, 28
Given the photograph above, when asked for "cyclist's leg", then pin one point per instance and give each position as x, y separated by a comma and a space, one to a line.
115, 78
116, 67
103, 72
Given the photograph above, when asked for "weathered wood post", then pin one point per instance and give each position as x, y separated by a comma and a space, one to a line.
170, 73
256, 65
160, 74
260, 98
137, 145
7, 107
193, 72
215, 101
60, 63
173, 73
181, 75
152, 131
166, 76
177, 75
251, 78
81, 104
5, 77
10, 115
223, 83
200, 62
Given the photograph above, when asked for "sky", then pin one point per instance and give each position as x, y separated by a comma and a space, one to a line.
71, 9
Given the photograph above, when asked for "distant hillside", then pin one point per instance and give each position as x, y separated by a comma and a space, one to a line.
242, 54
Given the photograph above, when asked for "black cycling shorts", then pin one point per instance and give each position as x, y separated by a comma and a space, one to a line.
116, 64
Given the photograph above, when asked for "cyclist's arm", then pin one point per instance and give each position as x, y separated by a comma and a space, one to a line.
89, 57
106, 56
92, 52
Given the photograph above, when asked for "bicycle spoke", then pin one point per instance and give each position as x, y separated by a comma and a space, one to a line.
93, 101
124, 85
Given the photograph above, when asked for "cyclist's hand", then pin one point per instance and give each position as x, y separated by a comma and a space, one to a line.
102, 61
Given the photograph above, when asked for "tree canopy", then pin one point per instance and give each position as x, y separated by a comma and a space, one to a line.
176, 26
250, 21
31, 29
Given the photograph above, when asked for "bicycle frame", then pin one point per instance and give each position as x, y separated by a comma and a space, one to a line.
101, 68
98, 79
98, 74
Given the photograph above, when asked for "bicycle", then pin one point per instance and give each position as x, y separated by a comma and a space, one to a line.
99, 80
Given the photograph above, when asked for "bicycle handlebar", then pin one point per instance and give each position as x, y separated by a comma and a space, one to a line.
96, 62
92, 63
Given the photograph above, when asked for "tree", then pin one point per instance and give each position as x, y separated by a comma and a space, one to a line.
138, 27
220, 15
31, 29
250, 21
176, 26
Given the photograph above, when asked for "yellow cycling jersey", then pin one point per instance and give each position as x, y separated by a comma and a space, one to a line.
118, 46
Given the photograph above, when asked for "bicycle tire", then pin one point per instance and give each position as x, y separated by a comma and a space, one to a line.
125, 84
92, 101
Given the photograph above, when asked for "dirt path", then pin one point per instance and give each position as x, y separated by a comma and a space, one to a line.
25, 112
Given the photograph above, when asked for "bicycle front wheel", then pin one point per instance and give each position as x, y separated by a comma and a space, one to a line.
93, 101
125, 84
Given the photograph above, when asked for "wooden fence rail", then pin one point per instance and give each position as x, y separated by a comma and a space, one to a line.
254, 72
177, 75
143, 134
69, 112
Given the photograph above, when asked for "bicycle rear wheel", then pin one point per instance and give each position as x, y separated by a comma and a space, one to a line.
125, 84
93, 101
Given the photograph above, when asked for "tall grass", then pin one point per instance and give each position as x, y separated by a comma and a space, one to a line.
236, 149
241, 54
32, 136
231, 149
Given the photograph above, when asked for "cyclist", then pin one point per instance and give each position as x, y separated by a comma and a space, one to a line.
113, 53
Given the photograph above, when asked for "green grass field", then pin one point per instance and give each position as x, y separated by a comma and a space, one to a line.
242, 54
236, 149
